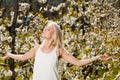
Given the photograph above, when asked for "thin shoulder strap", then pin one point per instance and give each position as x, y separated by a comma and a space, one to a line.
38, 48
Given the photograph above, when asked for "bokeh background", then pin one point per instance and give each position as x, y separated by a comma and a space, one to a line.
90, 28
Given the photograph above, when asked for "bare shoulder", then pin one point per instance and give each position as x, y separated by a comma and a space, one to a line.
62, 51
35, 48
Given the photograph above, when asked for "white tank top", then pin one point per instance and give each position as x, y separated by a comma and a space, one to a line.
46, 66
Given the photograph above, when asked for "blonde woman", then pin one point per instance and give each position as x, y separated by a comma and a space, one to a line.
48, 53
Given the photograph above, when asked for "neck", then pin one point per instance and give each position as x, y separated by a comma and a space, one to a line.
47, 43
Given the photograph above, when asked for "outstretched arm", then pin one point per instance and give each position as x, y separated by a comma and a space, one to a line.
23, 57
71, 59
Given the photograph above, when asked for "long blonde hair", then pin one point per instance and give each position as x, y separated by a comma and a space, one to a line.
57, 37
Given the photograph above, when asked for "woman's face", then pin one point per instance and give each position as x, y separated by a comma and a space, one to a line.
48, 32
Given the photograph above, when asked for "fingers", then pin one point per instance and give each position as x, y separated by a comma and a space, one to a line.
105, 57
110, 57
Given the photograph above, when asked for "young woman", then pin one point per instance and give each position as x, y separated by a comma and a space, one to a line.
48, 53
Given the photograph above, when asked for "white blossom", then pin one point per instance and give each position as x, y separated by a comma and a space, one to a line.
42, 1
8, 73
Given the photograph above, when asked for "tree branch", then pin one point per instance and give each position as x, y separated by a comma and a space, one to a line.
5, 65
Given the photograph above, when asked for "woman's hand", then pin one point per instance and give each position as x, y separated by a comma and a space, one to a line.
104, 57
6, 56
